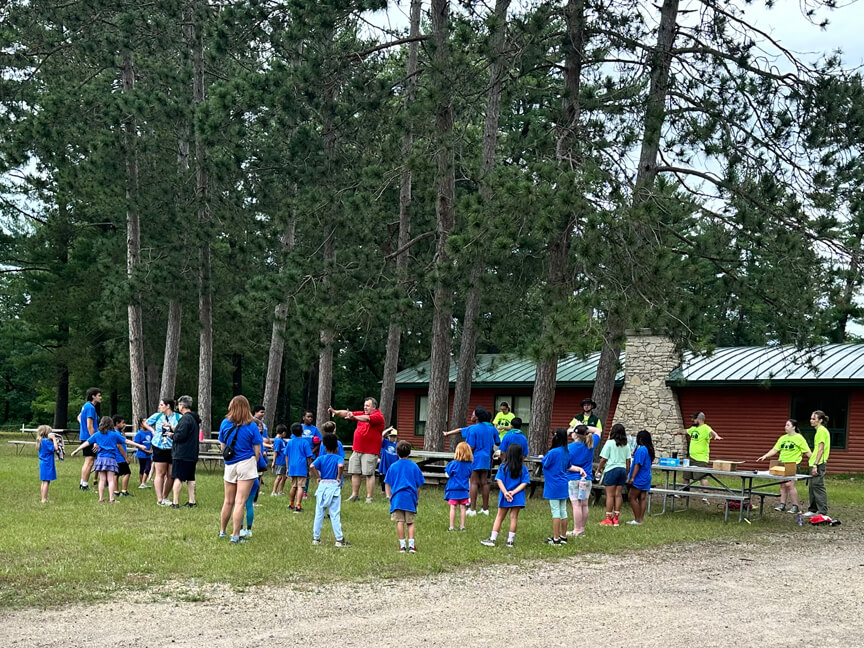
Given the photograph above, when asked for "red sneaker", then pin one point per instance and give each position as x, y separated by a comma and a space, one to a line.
606, 522
615, 521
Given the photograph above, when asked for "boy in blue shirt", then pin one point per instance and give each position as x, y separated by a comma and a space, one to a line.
514, 436
388, 457
144, 437
328, 468
311, 434
280, 468
403, 480
299, 458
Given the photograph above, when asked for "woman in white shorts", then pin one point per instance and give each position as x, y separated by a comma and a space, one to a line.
240, 432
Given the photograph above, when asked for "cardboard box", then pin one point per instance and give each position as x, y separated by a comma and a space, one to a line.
788, 468
725, 464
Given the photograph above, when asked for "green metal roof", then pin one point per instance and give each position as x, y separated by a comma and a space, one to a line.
775, 364
501, 369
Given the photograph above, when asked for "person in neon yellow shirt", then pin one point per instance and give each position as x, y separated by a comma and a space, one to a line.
819, 465
701, 436
791, 446
503, 418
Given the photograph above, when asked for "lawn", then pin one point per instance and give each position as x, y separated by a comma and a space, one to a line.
74, 549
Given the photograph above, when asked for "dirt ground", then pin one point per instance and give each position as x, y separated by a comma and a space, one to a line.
790, 590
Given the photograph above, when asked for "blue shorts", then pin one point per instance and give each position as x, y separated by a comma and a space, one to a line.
559, 508
615, 477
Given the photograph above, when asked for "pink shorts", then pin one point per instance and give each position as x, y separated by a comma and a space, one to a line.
462, 502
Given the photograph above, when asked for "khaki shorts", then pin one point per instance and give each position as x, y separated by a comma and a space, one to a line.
691, 476
362, 463
403, 516
241, 471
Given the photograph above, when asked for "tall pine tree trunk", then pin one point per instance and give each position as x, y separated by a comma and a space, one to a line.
151, 373
394, 331
543, 395
61, 401
133, 252
205, 288
655, 116
468, 345
277, 341
325, 353
172, 349
442, 301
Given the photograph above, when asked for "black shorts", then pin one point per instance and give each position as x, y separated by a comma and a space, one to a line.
88, 451
144, 465
183, 470
123, 468
161, 456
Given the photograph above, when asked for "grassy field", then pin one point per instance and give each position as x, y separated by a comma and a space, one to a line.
73, 549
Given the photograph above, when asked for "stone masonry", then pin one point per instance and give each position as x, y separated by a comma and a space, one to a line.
646, 401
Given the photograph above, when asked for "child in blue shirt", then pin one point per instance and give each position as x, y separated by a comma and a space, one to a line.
556, 466
403, 480
144, 437
514, 436
581, 454
639, 479
280, 468
513, 479
388, 457
327, 469
458, 474
299, 458
109, 447
47, 441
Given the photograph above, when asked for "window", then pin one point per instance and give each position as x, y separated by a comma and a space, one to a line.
519, 405
834, 402
421, 405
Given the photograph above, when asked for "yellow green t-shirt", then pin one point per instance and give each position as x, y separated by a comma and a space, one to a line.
503, 420
700, 437
586, 419
791, 447
822, 436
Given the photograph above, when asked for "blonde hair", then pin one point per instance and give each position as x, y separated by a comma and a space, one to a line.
43, 431
238, 411
463, 452
581, 432
329, 427
106, 423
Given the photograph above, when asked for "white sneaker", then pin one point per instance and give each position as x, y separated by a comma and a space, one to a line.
245, 533
369, 500
634, 522
485, 511
808, 514
140, 486
165, 502
470, 512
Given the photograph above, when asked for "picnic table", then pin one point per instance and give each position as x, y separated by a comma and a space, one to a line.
724, 487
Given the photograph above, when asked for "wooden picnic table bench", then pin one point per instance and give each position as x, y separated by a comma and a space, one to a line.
673, 494
21, 445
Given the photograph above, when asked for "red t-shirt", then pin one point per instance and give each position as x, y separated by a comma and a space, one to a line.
367, 436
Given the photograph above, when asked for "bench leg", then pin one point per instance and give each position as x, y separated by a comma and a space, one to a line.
726, 511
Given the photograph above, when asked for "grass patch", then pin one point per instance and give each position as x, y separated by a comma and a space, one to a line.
76, 550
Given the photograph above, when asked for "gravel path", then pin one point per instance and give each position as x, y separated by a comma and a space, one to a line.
711, 594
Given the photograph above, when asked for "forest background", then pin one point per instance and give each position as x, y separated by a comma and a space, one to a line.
281, 199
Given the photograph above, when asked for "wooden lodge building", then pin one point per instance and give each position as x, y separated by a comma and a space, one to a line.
746, 393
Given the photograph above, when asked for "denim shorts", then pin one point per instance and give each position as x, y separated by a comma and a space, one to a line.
615, 477
559, 508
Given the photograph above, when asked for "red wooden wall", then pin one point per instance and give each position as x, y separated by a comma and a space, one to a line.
750, 419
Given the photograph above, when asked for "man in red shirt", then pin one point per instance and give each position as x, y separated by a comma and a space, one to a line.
366, 447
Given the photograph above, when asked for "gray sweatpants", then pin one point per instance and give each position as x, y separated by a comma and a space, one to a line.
818, 494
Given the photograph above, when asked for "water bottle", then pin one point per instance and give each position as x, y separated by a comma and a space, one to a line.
800, 519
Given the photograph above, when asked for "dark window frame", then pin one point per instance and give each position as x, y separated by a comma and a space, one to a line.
420, 426
814, 399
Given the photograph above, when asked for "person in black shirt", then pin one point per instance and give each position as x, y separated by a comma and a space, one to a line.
185, 458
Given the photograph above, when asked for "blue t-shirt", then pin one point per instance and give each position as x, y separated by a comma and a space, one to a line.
87, 412
143, 437
298, 452
642, 459
327, 465
404, 477
555, 477
510, 484
459, 476
309, 433
388, 455
279, 447
46, 451
125, 447
107, 442
482, 437
156, 422
248, 437
583, 456
340, 449
514, 437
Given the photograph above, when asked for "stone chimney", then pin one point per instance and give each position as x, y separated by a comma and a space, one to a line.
646, 401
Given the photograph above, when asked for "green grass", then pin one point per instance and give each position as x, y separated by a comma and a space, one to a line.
74, 549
